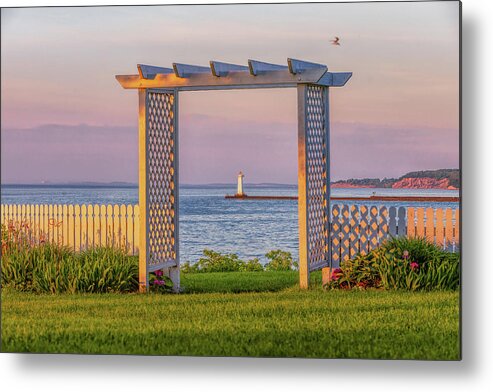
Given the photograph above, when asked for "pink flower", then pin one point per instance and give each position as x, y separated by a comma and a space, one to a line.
336, 273
158, 282
159, 273
405, 255
414, 265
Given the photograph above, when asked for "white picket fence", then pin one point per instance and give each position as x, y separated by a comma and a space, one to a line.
354, 228
76, 226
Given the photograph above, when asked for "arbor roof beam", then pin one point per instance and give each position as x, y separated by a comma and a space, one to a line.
224, 76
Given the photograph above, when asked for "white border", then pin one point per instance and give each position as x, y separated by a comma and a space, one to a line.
127, 373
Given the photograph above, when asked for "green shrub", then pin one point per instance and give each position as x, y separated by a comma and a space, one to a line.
252, 265
188, 268
217, 262
280, 261
400, 263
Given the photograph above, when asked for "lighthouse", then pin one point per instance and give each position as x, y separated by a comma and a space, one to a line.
239, 190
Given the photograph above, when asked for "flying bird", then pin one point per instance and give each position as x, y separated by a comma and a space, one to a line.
335, 41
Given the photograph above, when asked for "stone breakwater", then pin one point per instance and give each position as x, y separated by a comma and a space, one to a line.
349, 185
369, 198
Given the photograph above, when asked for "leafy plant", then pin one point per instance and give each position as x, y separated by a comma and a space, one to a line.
188, 268
217, 262
55, 269
400, 263
17, 235
280, 261
38, 265
160, 283
252, 265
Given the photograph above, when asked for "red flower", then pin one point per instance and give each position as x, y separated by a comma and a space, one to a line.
336, 273
414, 265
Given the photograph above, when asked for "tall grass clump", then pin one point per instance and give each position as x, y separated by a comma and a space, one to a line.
47, 267
400, 263
50, 268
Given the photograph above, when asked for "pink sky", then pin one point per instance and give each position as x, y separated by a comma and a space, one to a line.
65, 118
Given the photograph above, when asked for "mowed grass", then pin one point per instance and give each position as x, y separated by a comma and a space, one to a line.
211, 319
232, 282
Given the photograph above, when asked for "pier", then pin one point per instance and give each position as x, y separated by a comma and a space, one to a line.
243, 196
260, 197
369, 198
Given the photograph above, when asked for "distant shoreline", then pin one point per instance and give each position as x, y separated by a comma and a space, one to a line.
95, 185
261, 185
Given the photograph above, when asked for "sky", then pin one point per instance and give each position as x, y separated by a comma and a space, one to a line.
66, 119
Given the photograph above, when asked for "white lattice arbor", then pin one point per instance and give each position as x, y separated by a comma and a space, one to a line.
158, 152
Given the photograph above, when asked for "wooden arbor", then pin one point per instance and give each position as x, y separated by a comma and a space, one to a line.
158, 152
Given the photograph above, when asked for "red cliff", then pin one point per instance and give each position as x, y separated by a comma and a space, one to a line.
423, 183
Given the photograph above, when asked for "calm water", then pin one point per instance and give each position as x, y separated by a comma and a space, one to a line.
249, 228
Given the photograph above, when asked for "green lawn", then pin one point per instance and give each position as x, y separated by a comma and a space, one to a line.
212, 319
233, 282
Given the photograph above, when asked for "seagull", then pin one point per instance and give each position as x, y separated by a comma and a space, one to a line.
335, 41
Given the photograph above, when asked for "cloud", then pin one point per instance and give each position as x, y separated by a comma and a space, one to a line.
362, 150
213, 149
69, 153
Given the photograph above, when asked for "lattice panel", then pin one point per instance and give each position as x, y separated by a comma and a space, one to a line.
345, 233
363, 230
383, 225
335, 235
354, 231
161, 178
373, 228
316, 139
359, 228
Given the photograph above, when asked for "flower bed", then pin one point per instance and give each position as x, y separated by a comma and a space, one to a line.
400, 263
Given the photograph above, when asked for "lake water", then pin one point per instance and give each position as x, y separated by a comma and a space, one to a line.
249, 228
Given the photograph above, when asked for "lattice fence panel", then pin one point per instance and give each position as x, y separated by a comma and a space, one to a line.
363, 227
359, 229
345, 233
354, 234
316, 140
335, 232
373, 228
383, 224
161, 178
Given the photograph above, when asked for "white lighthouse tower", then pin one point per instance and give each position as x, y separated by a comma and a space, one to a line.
239, 190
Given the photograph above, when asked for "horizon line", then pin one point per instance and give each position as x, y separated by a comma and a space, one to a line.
133, 184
